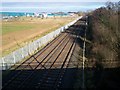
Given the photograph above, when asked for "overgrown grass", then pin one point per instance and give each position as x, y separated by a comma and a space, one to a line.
106, 33
105, 48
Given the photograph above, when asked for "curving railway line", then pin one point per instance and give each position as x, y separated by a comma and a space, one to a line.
46, 68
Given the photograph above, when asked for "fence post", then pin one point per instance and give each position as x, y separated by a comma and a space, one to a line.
3, 64
14, 57
34, 46
39, 43
22, 53
47, 39
29, 49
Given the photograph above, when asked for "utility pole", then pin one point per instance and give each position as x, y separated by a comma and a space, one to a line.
83, 63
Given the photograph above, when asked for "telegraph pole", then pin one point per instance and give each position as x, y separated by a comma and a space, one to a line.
83, 63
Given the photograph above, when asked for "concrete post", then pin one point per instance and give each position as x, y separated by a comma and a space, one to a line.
14, 57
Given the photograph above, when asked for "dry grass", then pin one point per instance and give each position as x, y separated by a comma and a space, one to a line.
18, 33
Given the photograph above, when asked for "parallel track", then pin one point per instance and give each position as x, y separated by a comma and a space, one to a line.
46, 68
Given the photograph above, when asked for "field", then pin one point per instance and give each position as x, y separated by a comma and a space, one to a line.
17, 33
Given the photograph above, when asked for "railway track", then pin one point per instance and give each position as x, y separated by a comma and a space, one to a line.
46, 68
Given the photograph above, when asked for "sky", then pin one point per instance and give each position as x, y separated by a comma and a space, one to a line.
57, 0
51, 5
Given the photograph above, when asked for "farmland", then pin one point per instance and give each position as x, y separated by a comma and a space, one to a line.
17, 33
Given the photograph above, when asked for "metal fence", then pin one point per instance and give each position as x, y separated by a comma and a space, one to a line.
9, 60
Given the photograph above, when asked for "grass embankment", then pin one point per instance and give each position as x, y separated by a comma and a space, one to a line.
18, 32
103, 54
104, 49
105, 36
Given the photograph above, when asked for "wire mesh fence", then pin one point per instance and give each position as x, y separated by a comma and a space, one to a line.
11, 59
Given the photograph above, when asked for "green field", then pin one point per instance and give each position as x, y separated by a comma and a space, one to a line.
8, 28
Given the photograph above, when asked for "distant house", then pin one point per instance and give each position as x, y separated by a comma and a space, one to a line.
11, 17
8, 18
5, 17
73, 13
45, 15
36, 15
16, 16
27, 15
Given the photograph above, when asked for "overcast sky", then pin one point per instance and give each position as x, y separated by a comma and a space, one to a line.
51, 5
